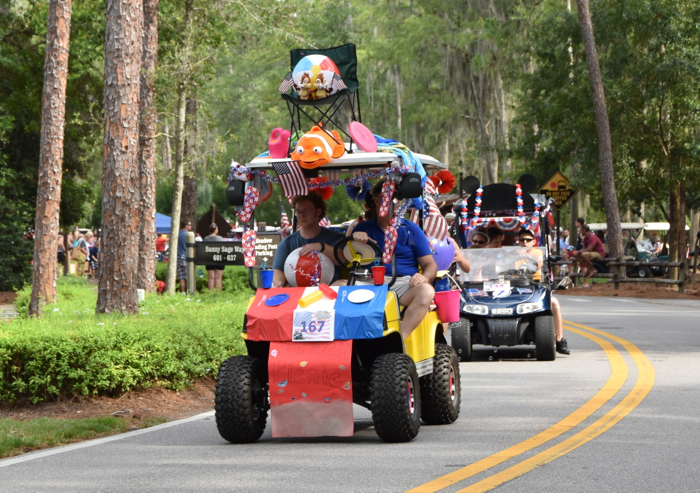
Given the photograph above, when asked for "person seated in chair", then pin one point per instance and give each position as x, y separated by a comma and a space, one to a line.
526, 239
413, 289
309, 210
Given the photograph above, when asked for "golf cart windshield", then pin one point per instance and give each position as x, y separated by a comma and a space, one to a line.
504, 264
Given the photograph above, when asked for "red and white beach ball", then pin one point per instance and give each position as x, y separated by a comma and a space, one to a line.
301, 270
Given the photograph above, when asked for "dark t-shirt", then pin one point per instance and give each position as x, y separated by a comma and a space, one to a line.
294, 241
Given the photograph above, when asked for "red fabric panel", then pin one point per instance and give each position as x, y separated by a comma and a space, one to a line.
272, 323
311, 389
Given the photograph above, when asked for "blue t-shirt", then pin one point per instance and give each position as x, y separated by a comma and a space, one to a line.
295, 240
411, 245
182, 244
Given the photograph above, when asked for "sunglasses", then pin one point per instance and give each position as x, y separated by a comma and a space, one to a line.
478, 242
527, 239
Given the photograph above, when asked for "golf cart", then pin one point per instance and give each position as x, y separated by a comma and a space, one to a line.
314, 349
506, 296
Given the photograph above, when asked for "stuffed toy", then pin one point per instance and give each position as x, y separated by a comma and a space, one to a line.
318, 147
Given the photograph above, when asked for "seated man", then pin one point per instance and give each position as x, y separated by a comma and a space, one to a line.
593, 249
526, 239
495, 237
413, 289
309, 209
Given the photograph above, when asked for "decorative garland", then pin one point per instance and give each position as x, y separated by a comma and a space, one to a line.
315, 278
238, 171
519, 201
477, 208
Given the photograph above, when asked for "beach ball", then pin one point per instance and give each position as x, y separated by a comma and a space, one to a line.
300, 270
443, 252
313, 77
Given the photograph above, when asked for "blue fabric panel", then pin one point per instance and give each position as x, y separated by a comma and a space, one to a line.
360, 320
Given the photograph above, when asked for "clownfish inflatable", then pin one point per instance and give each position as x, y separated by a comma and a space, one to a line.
317, 147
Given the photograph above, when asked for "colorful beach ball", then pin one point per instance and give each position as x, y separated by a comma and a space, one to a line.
300, 270
313, 77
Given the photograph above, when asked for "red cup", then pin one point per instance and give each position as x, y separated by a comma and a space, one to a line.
378, 272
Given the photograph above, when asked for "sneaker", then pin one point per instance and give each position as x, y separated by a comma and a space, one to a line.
563, 347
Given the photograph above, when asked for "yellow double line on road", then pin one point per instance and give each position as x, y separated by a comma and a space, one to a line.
619, 372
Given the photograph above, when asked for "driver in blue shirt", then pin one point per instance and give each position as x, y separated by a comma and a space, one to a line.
413, 289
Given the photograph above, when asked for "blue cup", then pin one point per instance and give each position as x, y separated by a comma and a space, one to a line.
266, 278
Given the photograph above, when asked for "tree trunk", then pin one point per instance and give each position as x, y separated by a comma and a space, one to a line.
676, 234
179, 149
48, 198
607, 173
189, 191
177, 191
147, 149
167, 152
120, 171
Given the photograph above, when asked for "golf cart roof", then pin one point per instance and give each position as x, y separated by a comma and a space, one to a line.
660, 227
604, 226
354, 158
645, 226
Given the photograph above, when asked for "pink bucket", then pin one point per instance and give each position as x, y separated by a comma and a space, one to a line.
447, 303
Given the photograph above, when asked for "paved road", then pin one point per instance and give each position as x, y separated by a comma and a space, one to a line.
619, 414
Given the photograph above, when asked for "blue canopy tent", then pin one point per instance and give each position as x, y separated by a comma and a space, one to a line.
163, 223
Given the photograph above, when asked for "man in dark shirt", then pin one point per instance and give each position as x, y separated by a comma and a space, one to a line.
185, 226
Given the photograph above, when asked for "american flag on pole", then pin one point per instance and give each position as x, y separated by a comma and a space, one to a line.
291, 178
337, 83
285, 221
434, 225
286, 84
325, 222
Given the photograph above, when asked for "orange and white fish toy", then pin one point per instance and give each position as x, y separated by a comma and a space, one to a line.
316, 148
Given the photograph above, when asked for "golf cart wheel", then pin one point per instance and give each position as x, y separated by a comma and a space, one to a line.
644, 272
545, 338
241, 399
395, 398
462, 339
440, 391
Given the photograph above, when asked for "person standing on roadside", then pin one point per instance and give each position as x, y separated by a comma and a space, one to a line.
185, 227
214, 272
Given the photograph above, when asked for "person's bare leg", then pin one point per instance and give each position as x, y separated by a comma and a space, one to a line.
211, 279
558, 323
219, 277
417, 300
183, 285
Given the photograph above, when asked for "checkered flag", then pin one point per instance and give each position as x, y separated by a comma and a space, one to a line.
286, 84
291, 178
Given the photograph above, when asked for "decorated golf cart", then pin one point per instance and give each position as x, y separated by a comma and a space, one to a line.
506, 296
313, 349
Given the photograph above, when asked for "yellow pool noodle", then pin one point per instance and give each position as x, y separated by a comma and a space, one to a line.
310, 298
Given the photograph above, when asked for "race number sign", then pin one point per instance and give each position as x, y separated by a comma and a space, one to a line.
313, 325
315, 322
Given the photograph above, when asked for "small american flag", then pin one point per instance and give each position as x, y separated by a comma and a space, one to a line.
286, 84
285, 221
337, 83
325, 222
434, 224
291, 178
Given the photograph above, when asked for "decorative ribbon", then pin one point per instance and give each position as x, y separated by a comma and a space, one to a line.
387, 194
248, 241
390, 236
252, 196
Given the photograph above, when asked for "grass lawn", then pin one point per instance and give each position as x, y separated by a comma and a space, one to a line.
71, 350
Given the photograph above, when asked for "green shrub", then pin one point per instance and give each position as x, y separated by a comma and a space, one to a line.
71, 350
234, 280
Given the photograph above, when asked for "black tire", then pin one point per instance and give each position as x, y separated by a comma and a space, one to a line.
440, 393
241, 399
462, 339
545, 338
644, 272
395, 398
